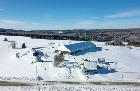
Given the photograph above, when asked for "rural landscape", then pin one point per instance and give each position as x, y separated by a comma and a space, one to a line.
69, 45
44, 63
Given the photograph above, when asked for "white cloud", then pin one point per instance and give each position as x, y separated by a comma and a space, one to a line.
94, 17
108, 24
13, 22
125, 14
26, 25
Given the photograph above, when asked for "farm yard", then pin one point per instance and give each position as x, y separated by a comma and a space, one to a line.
83, 62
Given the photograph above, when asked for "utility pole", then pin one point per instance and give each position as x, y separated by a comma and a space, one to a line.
37, 79
36, 71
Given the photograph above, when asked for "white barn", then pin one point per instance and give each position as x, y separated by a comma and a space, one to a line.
75, 47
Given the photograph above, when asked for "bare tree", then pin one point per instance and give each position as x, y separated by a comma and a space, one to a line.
13, 44
23, 45
58, 59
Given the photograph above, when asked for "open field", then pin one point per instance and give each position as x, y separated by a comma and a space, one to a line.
20, 72
19, 64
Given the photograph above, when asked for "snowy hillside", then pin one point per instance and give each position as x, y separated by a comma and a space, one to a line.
122, 63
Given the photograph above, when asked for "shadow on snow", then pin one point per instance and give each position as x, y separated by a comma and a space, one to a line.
89, 50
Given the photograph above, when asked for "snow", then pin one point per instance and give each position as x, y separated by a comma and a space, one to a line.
63, 87
58, 73
92, 65
122, 63
62, 48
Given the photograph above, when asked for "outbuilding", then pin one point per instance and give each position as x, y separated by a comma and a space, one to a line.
87, 65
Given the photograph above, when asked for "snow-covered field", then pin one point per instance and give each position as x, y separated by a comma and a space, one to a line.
124, 63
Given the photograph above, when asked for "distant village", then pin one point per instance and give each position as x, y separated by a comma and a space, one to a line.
110, 36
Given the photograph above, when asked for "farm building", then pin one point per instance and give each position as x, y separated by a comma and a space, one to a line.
75, 47
87, 65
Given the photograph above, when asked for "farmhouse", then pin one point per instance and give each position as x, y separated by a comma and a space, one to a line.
75, 47
87, 65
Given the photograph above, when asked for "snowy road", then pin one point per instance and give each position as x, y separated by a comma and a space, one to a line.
62, 87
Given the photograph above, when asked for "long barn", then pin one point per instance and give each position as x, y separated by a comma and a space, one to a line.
75, 47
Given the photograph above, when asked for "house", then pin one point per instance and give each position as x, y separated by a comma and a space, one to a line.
87, 65
74, 48
90, 65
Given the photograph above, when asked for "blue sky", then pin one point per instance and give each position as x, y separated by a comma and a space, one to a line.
69, 14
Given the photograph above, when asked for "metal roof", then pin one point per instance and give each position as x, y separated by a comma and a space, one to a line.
79, 46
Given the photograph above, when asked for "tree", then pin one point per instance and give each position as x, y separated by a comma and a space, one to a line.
5, 39
58, 59
13, 44
23, 45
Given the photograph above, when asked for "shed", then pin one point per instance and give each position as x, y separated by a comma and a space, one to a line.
101, 60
